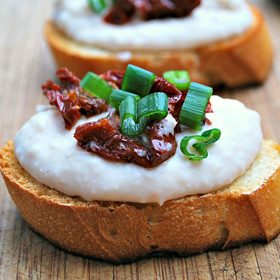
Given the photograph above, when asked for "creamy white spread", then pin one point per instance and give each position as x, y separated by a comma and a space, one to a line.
50, 154
213, 20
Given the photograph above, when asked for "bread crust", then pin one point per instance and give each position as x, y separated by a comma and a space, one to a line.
240, 60
120, 232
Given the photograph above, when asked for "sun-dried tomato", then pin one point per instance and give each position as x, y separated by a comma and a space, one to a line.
209, 108
123, 10
151, 9
70, 99
105, 139
67, 78
113, 77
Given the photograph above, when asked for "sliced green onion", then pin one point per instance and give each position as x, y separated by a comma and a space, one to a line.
96, 86
131, 128
117, 96
193, 110
184, 146
138, 80
135, 113
210, 136
202, 141
154, 106
128, 108
97, 6
128, 116
180, 79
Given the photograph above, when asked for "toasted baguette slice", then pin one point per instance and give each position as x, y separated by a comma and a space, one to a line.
238, 61
246, 210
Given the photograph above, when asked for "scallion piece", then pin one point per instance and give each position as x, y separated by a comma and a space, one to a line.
135, 113
193, 110
179, 78
202, 141
97, 6
128, 108
128, 116
138, 80
153, 106
96, 86
117, 96
131, 128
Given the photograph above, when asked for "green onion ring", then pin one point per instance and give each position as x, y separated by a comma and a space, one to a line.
135, 113
117, 96
179, 78
138, 80
96, 86
193, 110
97, 6
206, 138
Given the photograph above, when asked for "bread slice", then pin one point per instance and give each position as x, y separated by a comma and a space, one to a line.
240, 60
246, 210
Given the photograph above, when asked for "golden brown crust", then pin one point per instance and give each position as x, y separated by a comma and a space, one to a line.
238, 61
118, 231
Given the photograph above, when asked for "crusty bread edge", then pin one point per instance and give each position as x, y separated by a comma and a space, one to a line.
121, 232
240, 60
